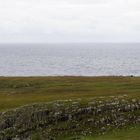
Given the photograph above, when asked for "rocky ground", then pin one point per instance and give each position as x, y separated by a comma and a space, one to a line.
51, 121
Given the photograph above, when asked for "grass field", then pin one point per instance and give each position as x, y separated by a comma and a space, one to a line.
123, 134
18, 91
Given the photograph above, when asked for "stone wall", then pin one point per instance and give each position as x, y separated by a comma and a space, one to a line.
73, 117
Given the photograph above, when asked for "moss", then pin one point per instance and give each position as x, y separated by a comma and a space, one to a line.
36, 136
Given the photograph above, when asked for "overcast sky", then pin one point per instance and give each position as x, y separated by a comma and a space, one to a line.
69, 21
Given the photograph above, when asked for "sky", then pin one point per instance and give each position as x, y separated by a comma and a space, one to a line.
52, 21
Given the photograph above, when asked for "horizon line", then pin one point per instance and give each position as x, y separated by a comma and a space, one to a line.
6, 43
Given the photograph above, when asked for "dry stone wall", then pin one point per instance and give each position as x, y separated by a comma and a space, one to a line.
73, 117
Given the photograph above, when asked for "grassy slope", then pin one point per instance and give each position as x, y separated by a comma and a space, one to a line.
16, 91
130, 134
125, 134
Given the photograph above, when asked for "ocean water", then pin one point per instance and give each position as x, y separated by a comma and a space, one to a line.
69, 59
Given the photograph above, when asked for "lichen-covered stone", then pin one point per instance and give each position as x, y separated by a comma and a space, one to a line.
55, 119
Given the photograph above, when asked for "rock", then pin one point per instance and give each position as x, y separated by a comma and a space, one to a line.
102, 115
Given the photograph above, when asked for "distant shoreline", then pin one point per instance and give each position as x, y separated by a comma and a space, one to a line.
73, 76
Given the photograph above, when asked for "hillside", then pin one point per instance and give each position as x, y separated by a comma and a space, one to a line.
69, 108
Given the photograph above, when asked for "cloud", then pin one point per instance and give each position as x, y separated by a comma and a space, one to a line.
69, 20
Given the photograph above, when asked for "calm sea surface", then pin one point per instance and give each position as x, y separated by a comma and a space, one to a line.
70, 59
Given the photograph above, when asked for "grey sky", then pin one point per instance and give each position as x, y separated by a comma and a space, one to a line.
69, 21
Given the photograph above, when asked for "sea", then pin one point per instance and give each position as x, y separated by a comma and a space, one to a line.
70, 59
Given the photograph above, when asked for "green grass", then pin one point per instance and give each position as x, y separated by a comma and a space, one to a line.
124, 134
130, 134
18, 91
